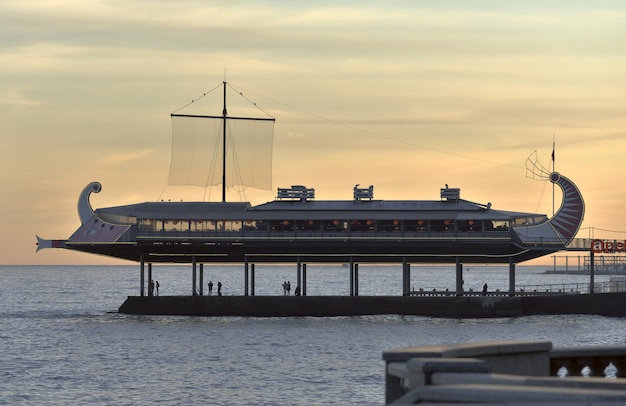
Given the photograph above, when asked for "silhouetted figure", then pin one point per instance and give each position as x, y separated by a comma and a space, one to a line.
210, 285
156, 285
296, 292
485, 289
219, 288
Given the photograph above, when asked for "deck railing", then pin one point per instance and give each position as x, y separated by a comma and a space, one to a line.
611, 286
580, 243
509, 371
325, 234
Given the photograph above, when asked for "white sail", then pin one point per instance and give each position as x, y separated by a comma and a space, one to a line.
197, 151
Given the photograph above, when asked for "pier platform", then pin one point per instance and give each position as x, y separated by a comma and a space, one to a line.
602, 304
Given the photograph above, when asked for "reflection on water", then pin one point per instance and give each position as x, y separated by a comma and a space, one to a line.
62, 346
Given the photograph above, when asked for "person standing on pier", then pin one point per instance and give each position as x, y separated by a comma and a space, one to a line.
485, 289
210, 285
156, 285
219, 288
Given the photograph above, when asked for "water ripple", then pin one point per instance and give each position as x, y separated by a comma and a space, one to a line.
62, 346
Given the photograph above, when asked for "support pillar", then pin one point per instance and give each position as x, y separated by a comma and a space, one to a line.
511, 277
592, 263
201, 279
404, 277
356, 279
299, 275
142, 281
351, 277
408, 279
252, 279
246, 276
193, 277
459, 277
150, 281
303, 290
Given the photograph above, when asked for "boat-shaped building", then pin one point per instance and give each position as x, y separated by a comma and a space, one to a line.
297, 226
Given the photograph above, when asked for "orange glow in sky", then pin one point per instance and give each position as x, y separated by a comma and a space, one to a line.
406, 96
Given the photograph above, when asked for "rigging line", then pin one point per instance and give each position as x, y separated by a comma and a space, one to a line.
543, 191
384, 136
237, 167
603, 229
248, 100
162, 192
195, 100
212, 171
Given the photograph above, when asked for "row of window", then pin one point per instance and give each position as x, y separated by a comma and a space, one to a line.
322, 225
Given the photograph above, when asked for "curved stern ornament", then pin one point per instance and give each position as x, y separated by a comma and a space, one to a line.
567, 220
569, 217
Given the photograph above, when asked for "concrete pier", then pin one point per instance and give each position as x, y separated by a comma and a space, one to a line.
603, 304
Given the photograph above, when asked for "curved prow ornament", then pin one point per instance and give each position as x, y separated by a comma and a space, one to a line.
569, 217
85, 212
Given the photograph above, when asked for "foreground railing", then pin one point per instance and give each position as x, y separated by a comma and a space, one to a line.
509, 371
603, 361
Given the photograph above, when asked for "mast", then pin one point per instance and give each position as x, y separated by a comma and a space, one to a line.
553, 170
189, 169
224, 147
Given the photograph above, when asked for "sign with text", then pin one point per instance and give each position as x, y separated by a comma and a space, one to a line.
601, 246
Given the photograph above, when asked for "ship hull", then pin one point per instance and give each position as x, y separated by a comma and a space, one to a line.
327, 250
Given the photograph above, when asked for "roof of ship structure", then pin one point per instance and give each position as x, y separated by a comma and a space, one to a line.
423, 209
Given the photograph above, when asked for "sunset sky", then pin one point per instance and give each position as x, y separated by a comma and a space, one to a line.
403, 95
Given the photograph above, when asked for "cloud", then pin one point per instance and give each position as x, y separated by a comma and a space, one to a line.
120, 158
18, 98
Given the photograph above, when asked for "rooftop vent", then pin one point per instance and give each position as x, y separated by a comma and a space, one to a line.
363, 193
296, 192
450, 194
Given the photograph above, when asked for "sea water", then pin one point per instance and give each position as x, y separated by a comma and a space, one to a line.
62, 341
